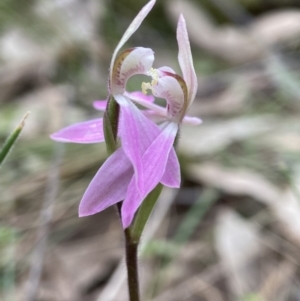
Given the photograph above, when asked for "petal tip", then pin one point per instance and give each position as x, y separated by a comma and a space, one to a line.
126, 221
181, 18
57, 138
82, 212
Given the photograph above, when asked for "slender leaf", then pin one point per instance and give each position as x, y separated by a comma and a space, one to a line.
12, 139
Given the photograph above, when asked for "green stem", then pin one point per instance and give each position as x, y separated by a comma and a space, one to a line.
132, 267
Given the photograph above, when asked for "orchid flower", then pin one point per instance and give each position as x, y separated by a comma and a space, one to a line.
110, 184
146, 156
155, 160
179, 93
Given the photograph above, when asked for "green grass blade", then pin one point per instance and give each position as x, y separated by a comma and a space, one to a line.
11, 140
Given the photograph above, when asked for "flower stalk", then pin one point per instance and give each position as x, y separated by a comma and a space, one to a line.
131, 247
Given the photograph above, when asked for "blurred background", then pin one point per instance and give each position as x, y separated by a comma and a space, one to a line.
232, 232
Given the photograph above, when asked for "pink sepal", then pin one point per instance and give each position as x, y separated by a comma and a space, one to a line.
86, 132
154, 164
109, 185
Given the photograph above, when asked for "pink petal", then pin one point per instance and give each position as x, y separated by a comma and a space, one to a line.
131, 203
156, 157
90, 131
186, 60
130, 132
165, 69
154, 164
172, 177
134, 198
145, 131
168, 87
154, 116
135, 24
130, 62
136, 131
100, 105
109, 185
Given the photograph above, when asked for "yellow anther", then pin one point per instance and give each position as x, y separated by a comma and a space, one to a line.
145, 87
149, 86
154, 74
